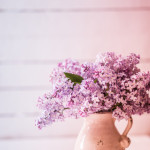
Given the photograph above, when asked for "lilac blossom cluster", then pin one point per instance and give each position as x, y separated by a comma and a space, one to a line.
112, 83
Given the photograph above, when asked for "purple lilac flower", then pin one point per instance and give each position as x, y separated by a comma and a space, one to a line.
112, 83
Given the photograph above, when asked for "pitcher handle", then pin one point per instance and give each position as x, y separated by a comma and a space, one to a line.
128, 127
125, 141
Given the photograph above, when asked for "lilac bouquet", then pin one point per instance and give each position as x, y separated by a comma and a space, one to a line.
112, 83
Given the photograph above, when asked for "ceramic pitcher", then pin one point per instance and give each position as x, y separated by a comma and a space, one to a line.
99, 133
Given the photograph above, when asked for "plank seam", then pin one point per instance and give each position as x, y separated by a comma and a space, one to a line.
109, 9
24, 88
49, 62
17, 115
36, 137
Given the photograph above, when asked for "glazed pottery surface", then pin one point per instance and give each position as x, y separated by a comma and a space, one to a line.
99, 133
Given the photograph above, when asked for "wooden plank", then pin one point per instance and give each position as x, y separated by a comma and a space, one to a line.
19, 103
57, 49
75, 48
32, 4
53, 24
38, 144
23, 127
79, 35
25, 75
137, 143
47, 49
28, 77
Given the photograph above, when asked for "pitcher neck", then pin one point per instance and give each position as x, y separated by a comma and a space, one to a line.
100, 118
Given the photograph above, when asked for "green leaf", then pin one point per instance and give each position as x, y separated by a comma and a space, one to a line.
95, 81
74, 77
115, 106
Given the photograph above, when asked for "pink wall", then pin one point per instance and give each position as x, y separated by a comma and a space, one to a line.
36, 34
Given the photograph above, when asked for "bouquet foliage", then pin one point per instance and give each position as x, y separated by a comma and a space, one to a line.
112, 83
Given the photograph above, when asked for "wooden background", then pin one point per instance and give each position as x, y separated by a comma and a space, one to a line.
36, 34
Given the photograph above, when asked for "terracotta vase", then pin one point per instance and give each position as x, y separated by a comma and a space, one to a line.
99, 133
